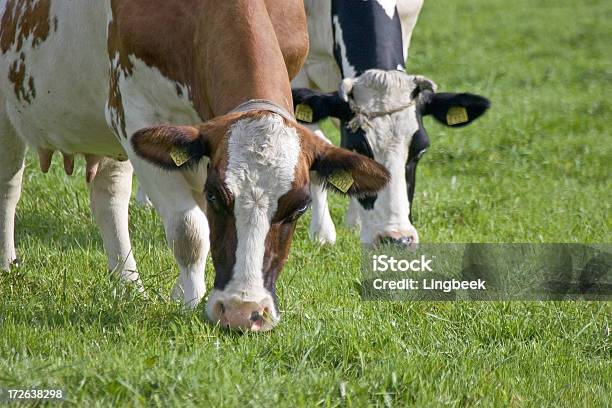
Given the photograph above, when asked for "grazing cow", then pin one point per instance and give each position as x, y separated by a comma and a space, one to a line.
366, 43
111, 79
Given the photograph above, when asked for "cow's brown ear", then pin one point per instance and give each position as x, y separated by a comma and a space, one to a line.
349, 173
170, 147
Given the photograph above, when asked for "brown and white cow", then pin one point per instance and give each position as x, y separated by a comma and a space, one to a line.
107, 78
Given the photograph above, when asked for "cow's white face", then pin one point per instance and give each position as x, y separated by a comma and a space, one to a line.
381, 114
385, 109
263, 155
256, 188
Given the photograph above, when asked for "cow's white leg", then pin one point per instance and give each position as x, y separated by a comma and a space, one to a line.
322, 229
109, 196
12, 153
351, 218
185, 224
187, 236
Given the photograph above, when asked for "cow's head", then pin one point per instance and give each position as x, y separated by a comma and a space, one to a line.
257, 187
381, 114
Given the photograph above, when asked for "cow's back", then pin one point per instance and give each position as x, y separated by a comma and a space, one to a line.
321, 67
54, 73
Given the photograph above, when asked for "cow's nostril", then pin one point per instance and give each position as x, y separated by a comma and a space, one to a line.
221, 307
401, 241
404, 241
255, 316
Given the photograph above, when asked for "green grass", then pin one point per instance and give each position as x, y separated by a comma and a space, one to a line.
536, 168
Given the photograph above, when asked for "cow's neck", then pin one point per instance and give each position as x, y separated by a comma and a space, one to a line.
367, 35
224, 52
239, 62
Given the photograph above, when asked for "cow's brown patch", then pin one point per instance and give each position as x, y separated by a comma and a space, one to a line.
190, 43
186, 242
22, 19
120, 64
163, 144
291, 31
114, 44
115, 103
368, 176
23, 86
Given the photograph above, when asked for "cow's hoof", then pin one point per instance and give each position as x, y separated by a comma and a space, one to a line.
139, 287
177, 292
129, 289
178, 296
16, 263
6, 267
323, 237
322, 231
127, 285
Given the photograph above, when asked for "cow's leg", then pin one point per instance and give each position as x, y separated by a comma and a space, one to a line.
351, 219
187, 235
109, 195
185, 225
12, 153
322, 229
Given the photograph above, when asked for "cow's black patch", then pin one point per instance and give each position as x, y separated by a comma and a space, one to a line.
418, 146
367, 202
355, 141
371, 38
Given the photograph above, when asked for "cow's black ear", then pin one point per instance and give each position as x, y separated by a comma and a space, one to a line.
312, 106
454, 109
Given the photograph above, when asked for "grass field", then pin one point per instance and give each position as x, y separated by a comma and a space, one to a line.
536, 168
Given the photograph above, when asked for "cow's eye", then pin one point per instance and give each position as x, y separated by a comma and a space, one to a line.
298, 213
303, 209
211, 197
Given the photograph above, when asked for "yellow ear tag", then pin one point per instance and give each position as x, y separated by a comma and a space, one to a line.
303, 113
456, 115
342, 180
179, 156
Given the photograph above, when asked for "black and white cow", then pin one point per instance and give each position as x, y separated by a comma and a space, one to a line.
380, 106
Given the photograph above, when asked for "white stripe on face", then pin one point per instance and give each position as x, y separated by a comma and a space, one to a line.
263, 155
389, 138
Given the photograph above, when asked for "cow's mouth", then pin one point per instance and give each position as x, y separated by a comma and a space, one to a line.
237, 311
